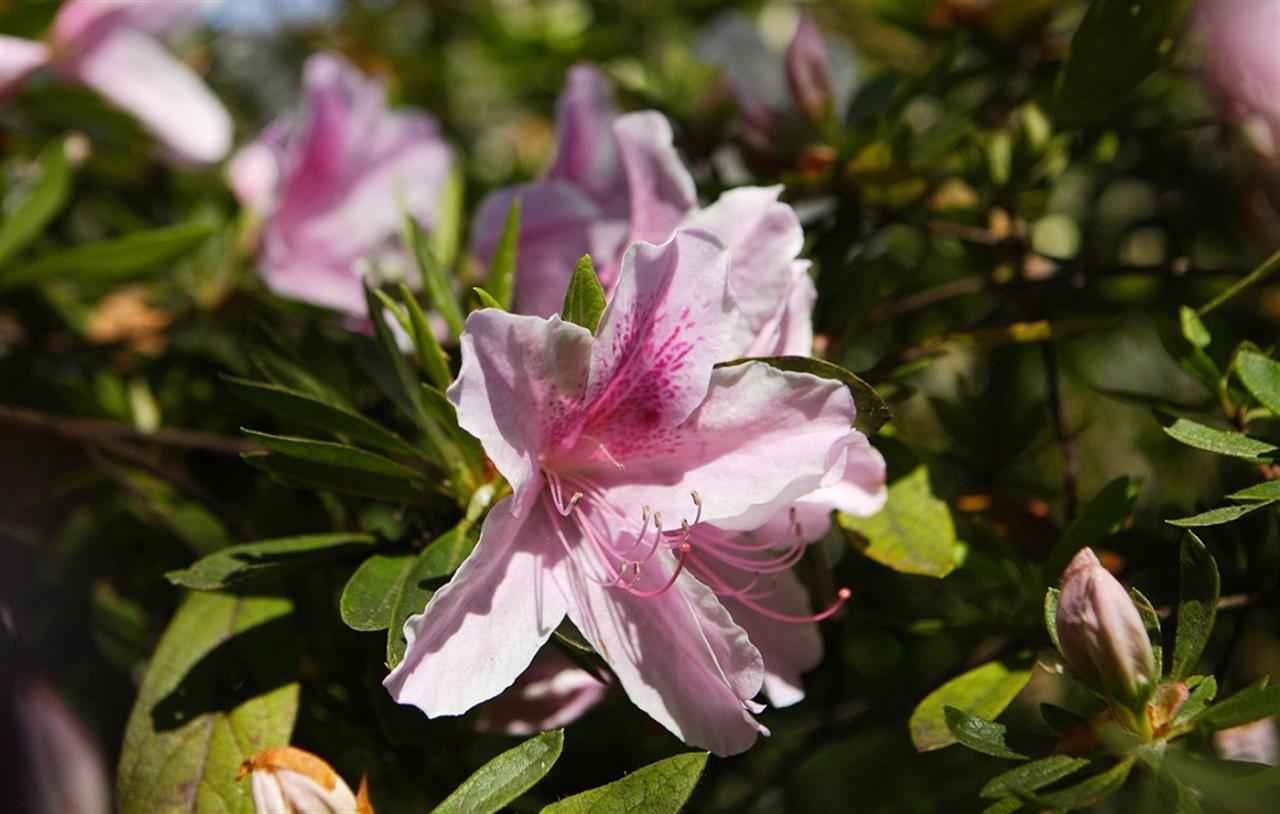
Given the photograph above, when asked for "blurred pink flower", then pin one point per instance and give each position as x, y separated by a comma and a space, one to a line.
602, 437
806, 71
617, 179
332, 184
552, 693
65, 772
110, 46
1243, 38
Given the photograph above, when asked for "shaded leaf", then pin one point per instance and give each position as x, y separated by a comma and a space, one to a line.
241, 562
506, 777
219, 688
370, 595
1250, 704
430, 355
41, 204
1268, 490
435, 280
913, 533
109, 260
1096, 521
439, 559
1197, 604
659, 788
1215, 517
502, 268
333, 454
293, 472
1223, 442
1201, 695
1262, 378
979, 734
984, 691
1034, 775
1087, 792
1151, 624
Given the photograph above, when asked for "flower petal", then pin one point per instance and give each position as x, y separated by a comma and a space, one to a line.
665, 649
480, 631
763, 438
764, 237
78, 20
521, 379
138, 75
660, 189
669, 321
18, 58
552, 693
586, 155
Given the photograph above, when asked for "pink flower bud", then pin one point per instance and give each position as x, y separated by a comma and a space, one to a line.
1100, 631
288, 780
807, 75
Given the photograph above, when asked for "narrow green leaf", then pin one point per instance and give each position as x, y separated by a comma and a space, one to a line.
41, 203
1006, 806
1150, 623
312, 412
1119, 44
485, 299
109, 260
1197, 604
1087, 792
913, 533
1215, 517
1201, 695
659, 788
502, 268
1096, 521
434, 361
1034, 775
249, 560
369, 597
443, 412
334, 454
1268, 491
584, 301
408, 383
1193, 359
393, 307
984, 691
872, 414
1254, 702
1051, 616
506, 777
220, 686
434, 277
300, 474
445, 232
438, 560
1261, 376
979, 734
1210, 439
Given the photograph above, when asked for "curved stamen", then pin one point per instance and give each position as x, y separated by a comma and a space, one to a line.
684, 550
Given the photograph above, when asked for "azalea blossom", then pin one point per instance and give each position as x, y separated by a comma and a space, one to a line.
617, 179
288, 780
111, 47
623, 449
552, 693
332, 184
1244, 60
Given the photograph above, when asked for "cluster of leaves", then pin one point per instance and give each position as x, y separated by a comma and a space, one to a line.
981, 215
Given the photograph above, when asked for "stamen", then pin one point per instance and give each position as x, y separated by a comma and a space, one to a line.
684, 550
612, 459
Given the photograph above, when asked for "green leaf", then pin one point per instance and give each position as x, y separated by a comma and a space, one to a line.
220, 686
407, 397
1150, 623
445, 231
109, 260
41, 203
584, 301
1215, 517
1051, 616
1034, 775
1210, 439
329, 453
1254, 702
984, 691
1261, 376
502, 268
506, 777
979, 734
1193, 328
430, 355
241, 562
1096, 521
1190, 357
1268, 491
320, 415
1087, 792
659, 788
370, 596
1197, 604
438, 560
872, 414
434, 277
300, 474
1201, 695
1005, 806
445, 414
1119, 44
913, 533
485, 299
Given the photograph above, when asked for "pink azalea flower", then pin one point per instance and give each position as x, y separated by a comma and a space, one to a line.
617, 179
551, 694
622, 449
110, 46
332, 182
1244, 58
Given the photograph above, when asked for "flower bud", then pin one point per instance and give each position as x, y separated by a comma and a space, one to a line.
1101, 633
806, 69
287, 780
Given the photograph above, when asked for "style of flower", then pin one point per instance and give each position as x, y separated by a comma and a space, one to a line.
622, 449
617, 179
332, 185
110, 46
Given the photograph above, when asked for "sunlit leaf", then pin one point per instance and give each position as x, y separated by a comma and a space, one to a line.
913, 533
242, 562
659, 788
109, 260
584, 300
506, 777
41, 203
1210, 439
984, 692
1261, 376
